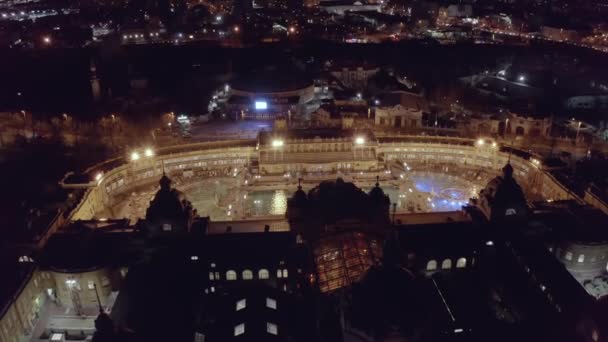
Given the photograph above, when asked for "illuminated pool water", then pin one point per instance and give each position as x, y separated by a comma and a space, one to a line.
221, 199
425, 192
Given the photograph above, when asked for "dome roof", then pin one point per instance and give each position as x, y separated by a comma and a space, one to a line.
167, 203
299, 197
378, 196
504, 196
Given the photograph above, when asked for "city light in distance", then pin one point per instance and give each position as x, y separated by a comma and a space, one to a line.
359, 140
134, 156
480, 142
522, 78
46, 39
148, 152
236, 29
98, 176
277, 143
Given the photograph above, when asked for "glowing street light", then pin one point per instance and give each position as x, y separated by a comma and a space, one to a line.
98, 176
236, 29
278, 143
522, 78
359, 140
148, 152
134, 156
480, 142
292, 29
46, 40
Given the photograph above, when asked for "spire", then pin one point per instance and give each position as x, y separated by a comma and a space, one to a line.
507, 171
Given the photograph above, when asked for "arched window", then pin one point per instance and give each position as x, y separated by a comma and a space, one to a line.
431, 265
263, 274
446, 264
461, 263
247, 275
279, 273
231, 275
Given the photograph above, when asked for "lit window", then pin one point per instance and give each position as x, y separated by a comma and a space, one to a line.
241, 304
231, 275
461, 263
91, 285
271, 303
431, 265
285, 273
568, 255
217, 275
247, 275
272, 328
446, 264
263, 274
57, 337
72, 284
212, 265
581, 258
194, 257
239, 329
166, 227
211, 276
279, 274
212, 289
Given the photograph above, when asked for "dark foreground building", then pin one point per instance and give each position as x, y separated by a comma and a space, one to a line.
348, 270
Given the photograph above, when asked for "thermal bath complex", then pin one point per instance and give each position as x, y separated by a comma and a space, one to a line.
252, 179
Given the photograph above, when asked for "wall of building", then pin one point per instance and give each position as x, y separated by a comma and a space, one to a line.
585, 261
83, 284
21, 317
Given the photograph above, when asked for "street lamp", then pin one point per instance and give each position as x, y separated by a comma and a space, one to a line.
134, 156
359, 140
480, 142
46, 40
148, 152
277, 143
522, 78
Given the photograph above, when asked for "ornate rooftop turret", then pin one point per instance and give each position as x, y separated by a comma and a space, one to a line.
169, 210
503, 198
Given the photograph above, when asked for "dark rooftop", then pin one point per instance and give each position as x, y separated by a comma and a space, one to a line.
272, 79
